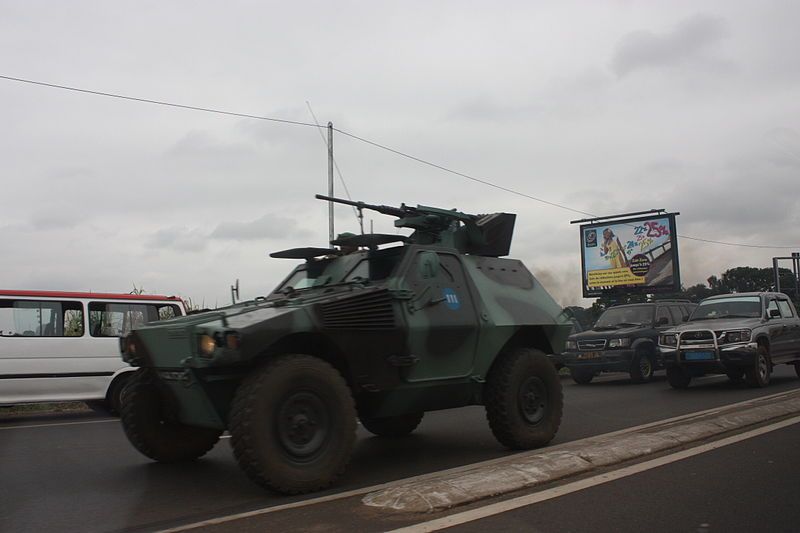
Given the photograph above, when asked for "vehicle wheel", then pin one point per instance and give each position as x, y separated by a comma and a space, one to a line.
153, 433
523, 399
392, 426
642, 368
758, 374
678, 377
581, 376
293, 424
735, 375
113, 397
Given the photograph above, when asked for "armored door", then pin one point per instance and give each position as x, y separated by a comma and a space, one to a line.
441, 317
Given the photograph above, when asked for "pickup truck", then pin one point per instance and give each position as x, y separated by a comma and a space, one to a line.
743, 335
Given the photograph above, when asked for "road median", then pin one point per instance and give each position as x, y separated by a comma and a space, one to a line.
530, 469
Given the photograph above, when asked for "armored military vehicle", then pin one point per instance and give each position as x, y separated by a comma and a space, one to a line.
383, 329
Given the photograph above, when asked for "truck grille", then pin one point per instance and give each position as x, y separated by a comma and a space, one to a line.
697, 337
372, 310
594, 344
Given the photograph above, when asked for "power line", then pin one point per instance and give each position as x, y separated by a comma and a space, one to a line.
369, 142
159, 102
461, 174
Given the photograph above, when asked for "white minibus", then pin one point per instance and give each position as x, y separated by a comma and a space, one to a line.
64, 346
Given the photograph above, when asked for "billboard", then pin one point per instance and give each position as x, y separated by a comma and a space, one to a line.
634, 255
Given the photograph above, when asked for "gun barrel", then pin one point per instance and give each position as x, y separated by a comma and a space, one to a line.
337, 200
385, 209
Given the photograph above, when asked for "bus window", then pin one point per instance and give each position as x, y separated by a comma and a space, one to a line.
118, 319
35, 318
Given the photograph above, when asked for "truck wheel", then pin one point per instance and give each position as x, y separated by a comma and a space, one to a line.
642, 368
392, 426
523, 399
293, 424
678, 377
152, 433
758, 374
581, 376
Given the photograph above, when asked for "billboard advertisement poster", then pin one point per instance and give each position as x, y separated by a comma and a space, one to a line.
638, 255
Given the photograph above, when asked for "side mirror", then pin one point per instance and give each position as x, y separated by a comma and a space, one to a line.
663, 321
774, 313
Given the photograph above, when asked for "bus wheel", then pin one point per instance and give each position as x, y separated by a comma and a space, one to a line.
155, 434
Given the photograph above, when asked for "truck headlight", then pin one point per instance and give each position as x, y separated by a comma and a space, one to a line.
741, 335
619, 343
571, 345
669, 339
206, 344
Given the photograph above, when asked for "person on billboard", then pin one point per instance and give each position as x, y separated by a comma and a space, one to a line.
612, 249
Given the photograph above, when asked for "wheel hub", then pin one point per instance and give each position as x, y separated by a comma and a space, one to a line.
303, 425
532, 399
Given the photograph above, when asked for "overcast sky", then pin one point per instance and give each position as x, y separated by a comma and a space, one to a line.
604, 107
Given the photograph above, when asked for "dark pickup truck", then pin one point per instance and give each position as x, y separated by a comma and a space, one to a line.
742, 335
623, 339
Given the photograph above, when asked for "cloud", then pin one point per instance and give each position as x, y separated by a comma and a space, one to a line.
688, 40
266, 227
178, 238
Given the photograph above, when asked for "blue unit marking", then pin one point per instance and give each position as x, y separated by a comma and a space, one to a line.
451, 299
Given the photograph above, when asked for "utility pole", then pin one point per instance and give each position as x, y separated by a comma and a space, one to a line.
330, 181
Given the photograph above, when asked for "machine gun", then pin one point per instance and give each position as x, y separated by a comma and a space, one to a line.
488, 235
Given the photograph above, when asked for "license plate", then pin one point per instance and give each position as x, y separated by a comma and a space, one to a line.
589, 355
698, 356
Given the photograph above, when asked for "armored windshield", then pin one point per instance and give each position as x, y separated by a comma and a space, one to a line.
736, 307
638, 315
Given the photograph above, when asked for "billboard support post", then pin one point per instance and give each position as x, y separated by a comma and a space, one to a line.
776, 272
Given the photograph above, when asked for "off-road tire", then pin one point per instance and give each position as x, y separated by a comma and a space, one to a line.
150, 432
293, 424
757, 376
735, 375
523, 399
392, 426
642, 367
678, 377
581, 376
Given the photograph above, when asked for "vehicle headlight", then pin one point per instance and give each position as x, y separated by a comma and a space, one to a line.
206, 344
741, 335
127, 346
669, 339
619, 343
571, 345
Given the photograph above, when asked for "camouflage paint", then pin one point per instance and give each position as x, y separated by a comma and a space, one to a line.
421, 338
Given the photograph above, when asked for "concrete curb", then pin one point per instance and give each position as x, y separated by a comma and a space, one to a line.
531, 469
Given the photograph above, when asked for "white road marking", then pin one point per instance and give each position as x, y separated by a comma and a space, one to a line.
456, 470
555, 492
28, 426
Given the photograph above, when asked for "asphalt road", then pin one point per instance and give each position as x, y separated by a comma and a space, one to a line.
745, 487
79, 473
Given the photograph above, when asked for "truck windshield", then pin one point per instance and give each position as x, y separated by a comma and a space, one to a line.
736, 307
638, 315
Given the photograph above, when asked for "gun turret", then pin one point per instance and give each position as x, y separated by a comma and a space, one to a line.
488, 235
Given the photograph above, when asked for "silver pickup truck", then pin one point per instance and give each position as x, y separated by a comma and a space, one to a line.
742, 335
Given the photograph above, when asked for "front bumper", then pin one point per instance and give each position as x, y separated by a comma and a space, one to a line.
723, 357
600, 360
